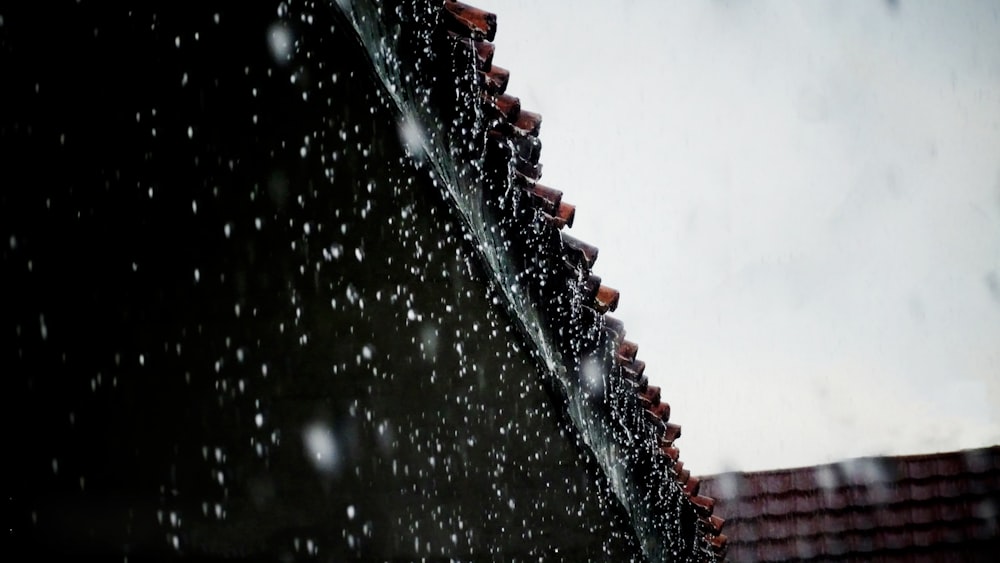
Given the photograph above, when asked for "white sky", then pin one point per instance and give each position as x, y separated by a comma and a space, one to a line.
800, 203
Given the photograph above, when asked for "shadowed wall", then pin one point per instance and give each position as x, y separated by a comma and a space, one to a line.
241, 323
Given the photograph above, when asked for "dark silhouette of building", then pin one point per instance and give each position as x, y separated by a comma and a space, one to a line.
281, 284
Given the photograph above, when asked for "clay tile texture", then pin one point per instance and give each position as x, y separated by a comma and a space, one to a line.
937, 507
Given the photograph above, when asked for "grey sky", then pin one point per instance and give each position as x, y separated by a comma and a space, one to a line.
800, 203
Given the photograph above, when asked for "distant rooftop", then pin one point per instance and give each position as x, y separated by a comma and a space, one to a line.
938, 507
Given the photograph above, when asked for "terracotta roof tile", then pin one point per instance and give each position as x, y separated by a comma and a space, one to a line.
615, 326
627, 351
607, 299
462, 18
528, 122
495, 80
509, 105
566, 213
634, 369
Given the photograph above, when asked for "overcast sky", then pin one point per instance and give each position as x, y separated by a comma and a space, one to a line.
800, 203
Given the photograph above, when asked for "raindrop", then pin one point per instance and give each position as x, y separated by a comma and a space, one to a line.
280, 41
321, 447
592, 377
826, 478
413, 137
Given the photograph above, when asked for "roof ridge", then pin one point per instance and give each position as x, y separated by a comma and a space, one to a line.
542, 207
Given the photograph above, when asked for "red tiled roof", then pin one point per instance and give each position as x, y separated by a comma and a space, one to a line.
912, 508
507, 122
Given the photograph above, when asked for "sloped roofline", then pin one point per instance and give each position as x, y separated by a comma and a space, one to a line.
547, 276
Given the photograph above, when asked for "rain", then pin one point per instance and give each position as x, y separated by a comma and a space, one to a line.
261, 303
284, 284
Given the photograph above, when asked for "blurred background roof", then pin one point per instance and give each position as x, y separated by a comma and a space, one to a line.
935, 507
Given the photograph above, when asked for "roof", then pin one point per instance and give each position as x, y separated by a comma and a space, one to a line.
935, 507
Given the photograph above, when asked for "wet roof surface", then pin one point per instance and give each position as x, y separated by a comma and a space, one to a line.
512, 134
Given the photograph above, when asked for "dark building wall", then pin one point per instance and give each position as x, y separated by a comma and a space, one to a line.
241, 323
